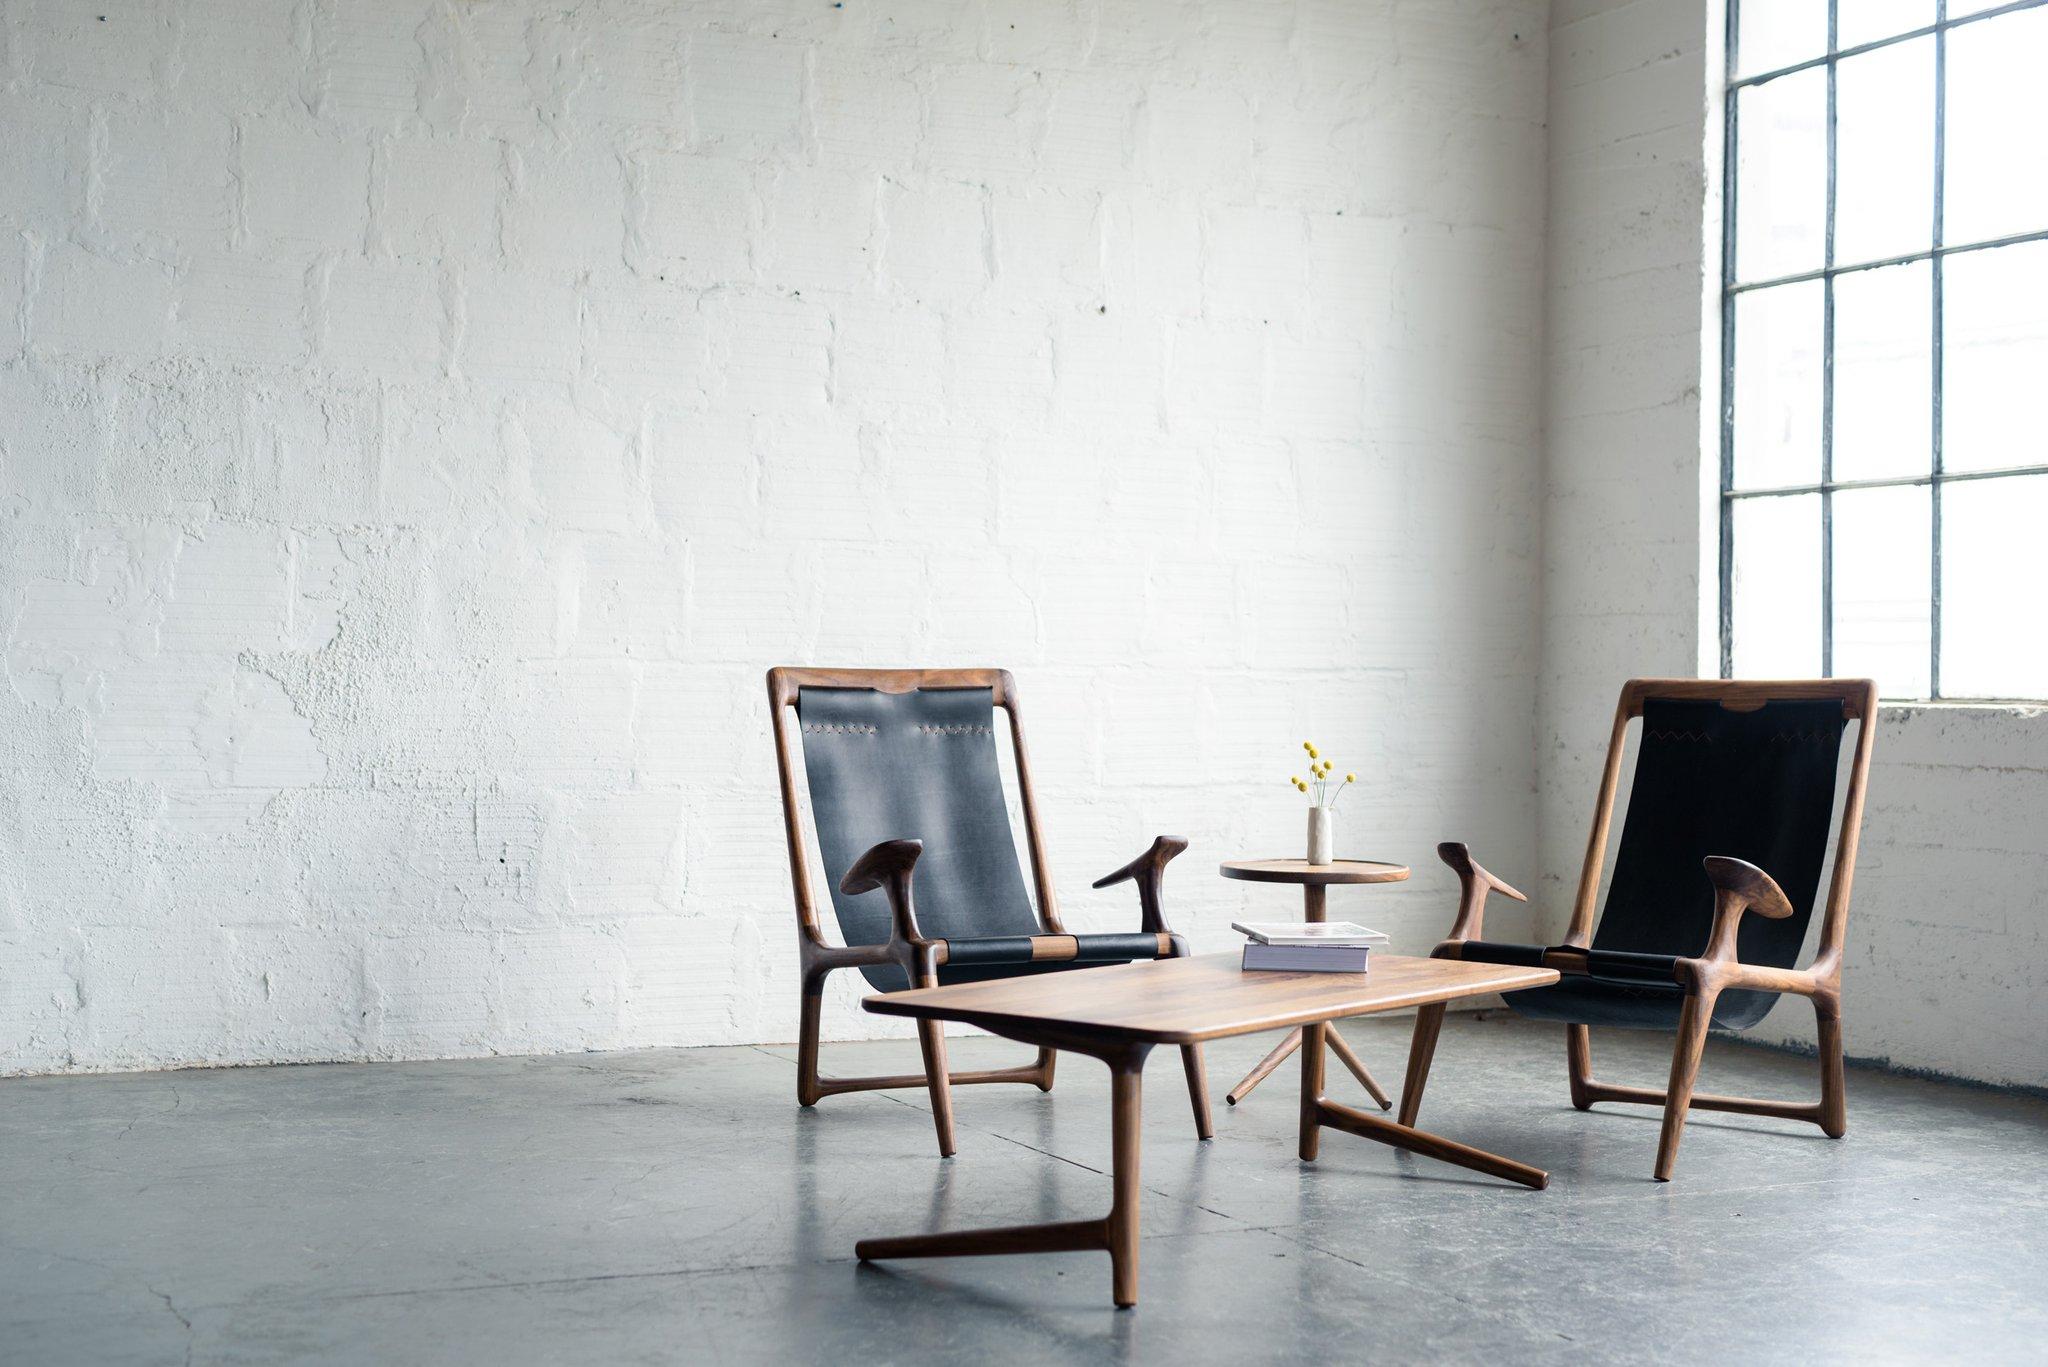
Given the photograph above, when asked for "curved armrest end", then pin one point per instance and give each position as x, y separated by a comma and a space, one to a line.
1758, 891
1455, 853
1161, 852
1149, 869
1474, 883
880, 865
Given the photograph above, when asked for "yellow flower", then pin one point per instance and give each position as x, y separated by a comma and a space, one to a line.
1308, 747
1351, 778
1295, 779
1312, 753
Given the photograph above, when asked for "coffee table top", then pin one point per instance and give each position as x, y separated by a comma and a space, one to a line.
1210, 996
1314, 875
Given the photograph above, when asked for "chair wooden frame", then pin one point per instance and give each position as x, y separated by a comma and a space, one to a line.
1738, 887
889, 866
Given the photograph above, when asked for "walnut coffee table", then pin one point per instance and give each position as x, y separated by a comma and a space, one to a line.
1315, 881
1119, 1014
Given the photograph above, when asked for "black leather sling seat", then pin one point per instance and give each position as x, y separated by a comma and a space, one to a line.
1756, 785
1634, 991
922, 765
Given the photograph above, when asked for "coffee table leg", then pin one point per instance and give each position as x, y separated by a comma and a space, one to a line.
1317, 1112
1115, 1233
1125, 1112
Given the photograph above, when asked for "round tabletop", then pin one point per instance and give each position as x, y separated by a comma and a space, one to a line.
1314, 875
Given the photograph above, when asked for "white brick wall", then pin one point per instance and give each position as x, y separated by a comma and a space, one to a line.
420, 425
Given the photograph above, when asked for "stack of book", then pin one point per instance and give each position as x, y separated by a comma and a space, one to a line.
1307, 946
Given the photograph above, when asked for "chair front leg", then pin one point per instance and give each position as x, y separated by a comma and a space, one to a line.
1578, 1060
1834, 1091
1198, 1089
809, 1009
1693, 1019
1429, 1022
931, 1040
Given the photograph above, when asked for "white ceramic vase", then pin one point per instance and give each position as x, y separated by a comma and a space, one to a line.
1322, 835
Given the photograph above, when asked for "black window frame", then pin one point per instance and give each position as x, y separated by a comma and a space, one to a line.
1935, 477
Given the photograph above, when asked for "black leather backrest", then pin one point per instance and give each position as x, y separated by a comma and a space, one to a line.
1756, 785
915, 766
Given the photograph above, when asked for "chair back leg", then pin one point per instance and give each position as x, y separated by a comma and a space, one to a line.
1046, 1059
1693, 1019
1198, 1089
1429, 1023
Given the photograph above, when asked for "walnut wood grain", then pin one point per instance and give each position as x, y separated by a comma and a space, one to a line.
1205, 997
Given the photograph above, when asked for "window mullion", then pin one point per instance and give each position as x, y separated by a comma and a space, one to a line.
1934, 350
1729, 132
1827, 374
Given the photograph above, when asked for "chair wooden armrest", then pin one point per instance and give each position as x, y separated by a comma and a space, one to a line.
889, 866
1739, 887
1474, 883
1149, 869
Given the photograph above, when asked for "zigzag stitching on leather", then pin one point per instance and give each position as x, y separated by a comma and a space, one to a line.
850, 728
1799, 737
1700, 736
964, 729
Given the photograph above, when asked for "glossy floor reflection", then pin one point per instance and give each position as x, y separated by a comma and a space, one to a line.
677, 1206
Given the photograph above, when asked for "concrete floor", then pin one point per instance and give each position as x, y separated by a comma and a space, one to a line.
677, 1206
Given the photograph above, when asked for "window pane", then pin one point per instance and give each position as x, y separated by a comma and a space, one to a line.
1884, 371
1776, 624
1781, 176
1997, 144
1994, 562
1884, 152
1994, 355
1777, 386
1883, 587
1865, 21
1774, 33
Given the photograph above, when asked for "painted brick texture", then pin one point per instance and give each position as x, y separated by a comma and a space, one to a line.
422, 423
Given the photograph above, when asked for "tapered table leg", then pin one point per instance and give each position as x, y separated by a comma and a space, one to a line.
1319, 1112
1115, 1233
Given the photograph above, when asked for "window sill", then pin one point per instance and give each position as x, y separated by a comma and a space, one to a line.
1897, 708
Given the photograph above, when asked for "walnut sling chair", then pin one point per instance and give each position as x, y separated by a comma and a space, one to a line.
1738, 778
905, 789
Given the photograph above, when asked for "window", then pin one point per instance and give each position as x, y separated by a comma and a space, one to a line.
1884, 345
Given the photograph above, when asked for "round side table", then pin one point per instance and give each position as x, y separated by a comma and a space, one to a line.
1315, 880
